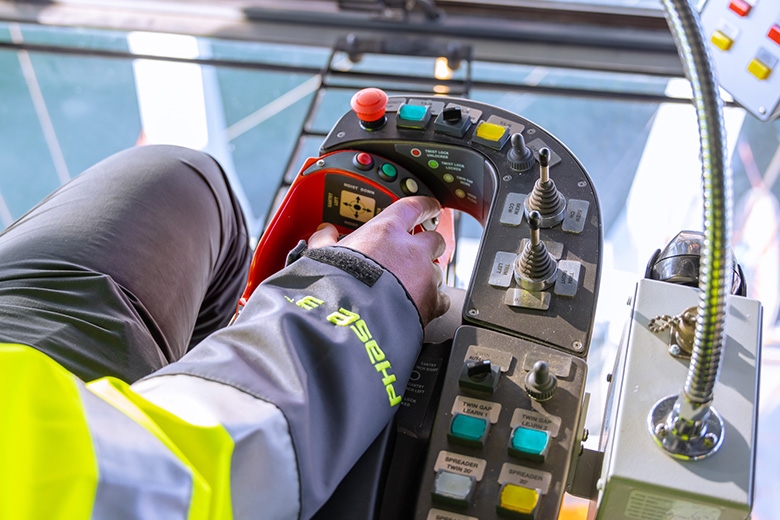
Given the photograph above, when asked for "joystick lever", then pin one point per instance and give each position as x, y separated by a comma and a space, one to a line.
520, 157
535, 268
545, 197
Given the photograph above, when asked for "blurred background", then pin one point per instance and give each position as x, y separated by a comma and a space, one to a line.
258, 84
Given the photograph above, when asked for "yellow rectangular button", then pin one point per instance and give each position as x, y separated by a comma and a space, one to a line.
519, 500
490, 131
721, 41
759, 69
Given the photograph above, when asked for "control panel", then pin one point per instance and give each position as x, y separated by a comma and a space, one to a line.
506, 426
744, 38
505, 434
499, 168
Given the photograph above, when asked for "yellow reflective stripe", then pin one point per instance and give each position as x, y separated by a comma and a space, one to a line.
205, 449
48, 467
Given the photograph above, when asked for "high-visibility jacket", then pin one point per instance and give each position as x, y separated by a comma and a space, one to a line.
261, 420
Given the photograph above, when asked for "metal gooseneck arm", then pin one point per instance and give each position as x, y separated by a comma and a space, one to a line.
686, 425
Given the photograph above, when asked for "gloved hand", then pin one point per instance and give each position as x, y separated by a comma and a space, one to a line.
412, 258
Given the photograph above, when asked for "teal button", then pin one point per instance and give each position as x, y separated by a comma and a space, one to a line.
413, 112
468, 428
532, 442
388, 172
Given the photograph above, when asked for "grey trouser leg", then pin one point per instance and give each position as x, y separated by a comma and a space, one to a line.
123, 269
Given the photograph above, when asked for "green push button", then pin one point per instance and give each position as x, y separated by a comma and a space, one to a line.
465, 429
529, 444
388, 172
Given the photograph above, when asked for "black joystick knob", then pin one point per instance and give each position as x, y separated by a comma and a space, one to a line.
545, 197
535, 268
540, 383
520, 157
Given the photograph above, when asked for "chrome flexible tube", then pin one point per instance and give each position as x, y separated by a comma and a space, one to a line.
716, 260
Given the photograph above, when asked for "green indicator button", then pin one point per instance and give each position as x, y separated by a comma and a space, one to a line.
530, 444
388, 172
413, 112
468, 428
433, 164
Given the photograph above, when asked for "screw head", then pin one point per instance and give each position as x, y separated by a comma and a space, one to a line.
473, 312
661, 431
710, 440
674, 350
320, 163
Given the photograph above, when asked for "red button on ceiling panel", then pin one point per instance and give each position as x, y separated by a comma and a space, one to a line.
369, 104
774, 34
741, 7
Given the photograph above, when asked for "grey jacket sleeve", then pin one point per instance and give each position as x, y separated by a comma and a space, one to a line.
321, 354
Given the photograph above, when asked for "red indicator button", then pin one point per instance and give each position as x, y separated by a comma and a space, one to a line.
774, 34
369, 104
741, 7
363, 161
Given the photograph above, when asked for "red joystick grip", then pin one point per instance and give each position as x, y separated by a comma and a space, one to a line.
369, 104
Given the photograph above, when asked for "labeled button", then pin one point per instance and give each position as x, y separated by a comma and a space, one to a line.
468, 430
529, 444
721, 41
518, 500
759, 69
740, 7
453, 488
413, 116
388, 172
774, 33
491, 135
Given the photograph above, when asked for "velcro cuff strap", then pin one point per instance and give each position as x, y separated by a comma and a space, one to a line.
360, 268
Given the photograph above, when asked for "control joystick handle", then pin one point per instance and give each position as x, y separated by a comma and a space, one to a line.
540, 383
520, 157
370, 104
535, 268
545, 197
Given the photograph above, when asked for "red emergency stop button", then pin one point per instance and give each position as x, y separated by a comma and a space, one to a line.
369, 105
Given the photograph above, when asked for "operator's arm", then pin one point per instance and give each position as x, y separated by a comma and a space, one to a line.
262, 419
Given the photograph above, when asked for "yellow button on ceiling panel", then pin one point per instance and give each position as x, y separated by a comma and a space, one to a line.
518, 499
490, 131
759, 69
721, 41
